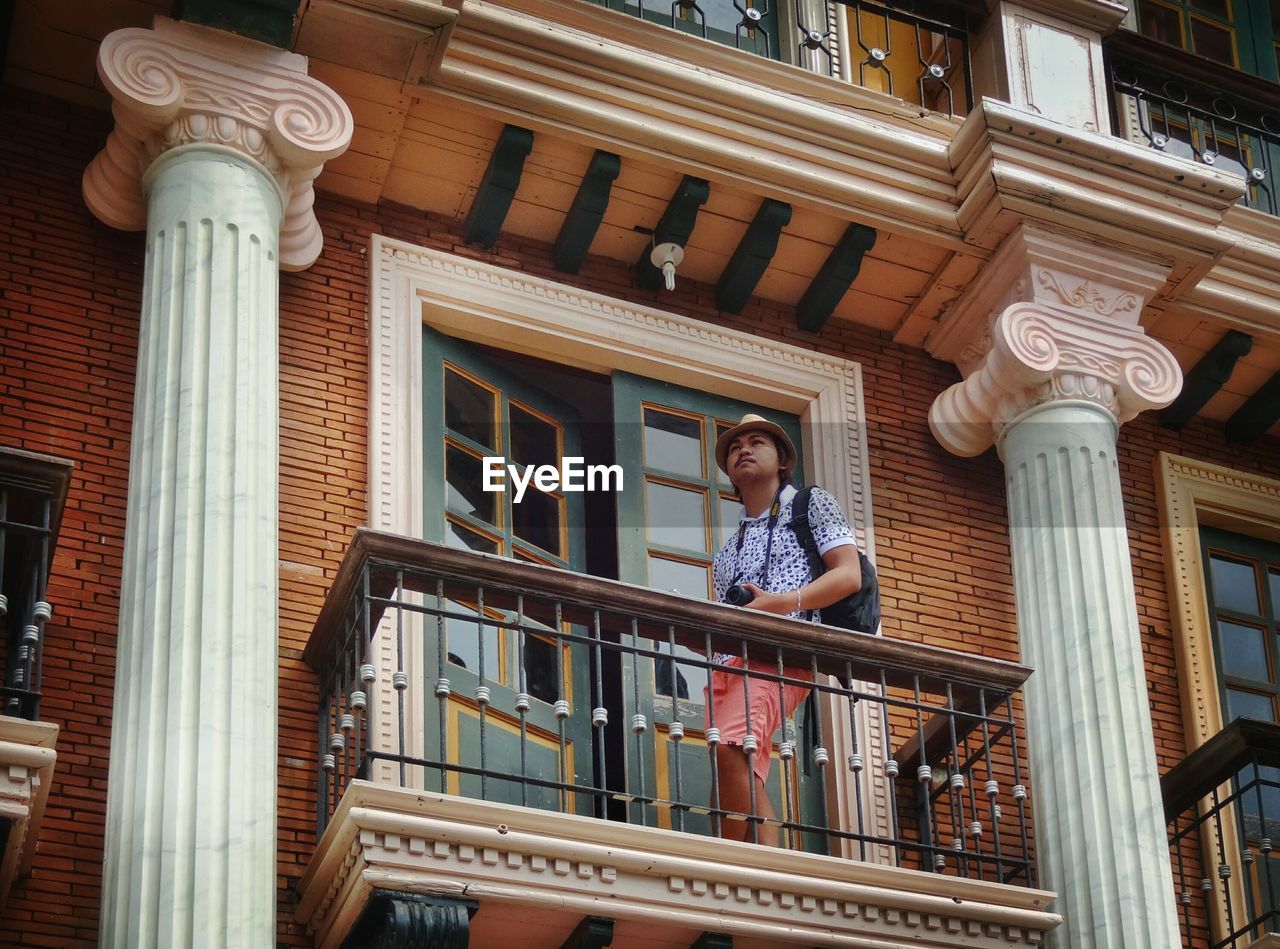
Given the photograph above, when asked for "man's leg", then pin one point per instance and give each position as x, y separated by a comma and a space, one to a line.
736, 779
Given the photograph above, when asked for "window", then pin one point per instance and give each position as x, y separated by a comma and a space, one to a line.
1242, 34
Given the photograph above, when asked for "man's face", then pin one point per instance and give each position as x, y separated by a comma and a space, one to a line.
753, 456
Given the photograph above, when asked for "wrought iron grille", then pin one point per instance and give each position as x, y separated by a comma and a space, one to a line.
1202, 121
32, 489
1223, 807
918, 51
415, 646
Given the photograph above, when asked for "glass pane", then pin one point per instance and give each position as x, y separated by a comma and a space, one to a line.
730, 515
1216, 7
541, 679
536, 520
1244, 651
1213, 41
464, 478
1160, 22
676, 577
1235, 586
464, 538
673, 442
533, 440
690, 680
1275, 594
469, 409
676, 517
721, 428
464, 643
1249, 705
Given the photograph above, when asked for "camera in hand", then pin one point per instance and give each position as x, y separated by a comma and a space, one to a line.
738, 595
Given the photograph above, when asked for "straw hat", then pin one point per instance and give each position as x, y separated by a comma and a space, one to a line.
751, 422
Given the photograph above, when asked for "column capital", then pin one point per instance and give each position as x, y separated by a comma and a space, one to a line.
1051, 318
178, 84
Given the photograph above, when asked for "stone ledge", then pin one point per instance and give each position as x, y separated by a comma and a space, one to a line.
424, 842
27, 760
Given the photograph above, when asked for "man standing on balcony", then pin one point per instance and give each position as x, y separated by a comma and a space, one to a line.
765, 560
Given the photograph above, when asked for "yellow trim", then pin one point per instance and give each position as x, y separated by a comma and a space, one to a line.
1191, 493
493, 718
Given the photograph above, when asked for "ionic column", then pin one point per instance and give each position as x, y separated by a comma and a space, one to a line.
1053, 367
217, 140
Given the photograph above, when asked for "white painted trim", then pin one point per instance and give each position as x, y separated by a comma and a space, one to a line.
480, 302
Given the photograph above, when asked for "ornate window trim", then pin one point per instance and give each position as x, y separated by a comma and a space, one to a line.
481, 302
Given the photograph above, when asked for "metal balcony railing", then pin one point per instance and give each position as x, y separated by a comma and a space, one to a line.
1183, 105
917, 50
32, 491
443, 669
1222, 803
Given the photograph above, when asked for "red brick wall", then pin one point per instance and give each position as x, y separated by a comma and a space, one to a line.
68, 322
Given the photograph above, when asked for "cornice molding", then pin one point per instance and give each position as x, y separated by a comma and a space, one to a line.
435, 843
178, 84
1242, 289
1014, 165
27, 762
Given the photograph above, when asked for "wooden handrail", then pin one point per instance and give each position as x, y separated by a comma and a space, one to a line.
866, 654
1218, 760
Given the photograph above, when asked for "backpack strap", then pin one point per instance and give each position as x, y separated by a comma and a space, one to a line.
804, 532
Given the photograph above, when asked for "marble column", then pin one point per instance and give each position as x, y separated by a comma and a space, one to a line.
1053, 366
217, 141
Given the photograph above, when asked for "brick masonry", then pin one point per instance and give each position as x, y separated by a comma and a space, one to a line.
68, 326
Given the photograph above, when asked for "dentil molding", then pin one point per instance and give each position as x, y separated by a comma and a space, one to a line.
1051, 317
178, 84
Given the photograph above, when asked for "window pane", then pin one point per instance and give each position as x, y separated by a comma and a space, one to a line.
1213, 41
536, 520
690, 680
721, 428
533, 441
469, 409
676, 577
1160, 22
1235, 586
1249, 705
464, 643
1275, 594
1244, 651
464, 478
1216, 7
541, 678
730, 515
676, 517
464, 538
673, 442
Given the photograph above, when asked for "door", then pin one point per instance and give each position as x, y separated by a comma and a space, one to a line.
473, 408
677, 511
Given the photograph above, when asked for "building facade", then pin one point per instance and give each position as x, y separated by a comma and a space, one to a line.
278, 276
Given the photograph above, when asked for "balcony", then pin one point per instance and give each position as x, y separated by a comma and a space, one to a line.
1223, 807
32, 491
1183, 105
527, 746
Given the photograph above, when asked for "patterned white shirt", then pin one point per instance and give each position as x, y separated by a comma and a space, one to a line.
788, 566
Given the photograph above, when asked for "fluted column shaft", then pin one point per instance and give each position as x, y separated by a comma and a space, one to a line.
216, 144
191, 843
1101, 841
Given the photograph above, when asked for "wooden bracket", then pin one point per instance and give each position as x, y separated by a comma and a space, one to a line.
751, 259
498, 186
835, 278
585, 214
675, 226
1203, 381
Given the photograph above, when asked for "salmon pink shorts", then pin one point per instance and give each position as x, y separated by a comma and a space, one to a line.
767, 708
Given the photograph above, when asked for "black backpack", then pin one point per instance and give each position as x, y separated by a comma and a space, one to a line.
860, 610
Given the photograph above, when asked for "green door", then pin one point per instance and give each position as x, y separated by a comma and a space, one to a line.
677, 510
473, 408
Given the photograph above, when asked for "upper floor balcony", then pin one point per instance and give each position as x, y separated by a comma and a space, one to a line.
533, 747
33, 489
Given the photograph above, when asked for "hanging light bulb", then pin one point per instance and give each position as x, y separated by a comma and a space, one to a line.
667, 257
